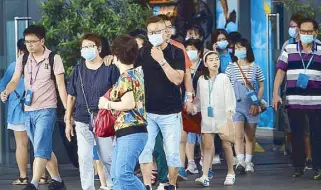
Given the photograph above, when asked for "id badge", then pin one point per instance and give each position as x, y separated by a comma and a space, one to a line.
302, 81
210, 112
28, 97
253, 97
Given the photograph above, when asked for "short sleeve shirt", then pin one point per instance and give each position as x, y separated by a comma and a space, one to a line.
96, 84
37, 78
162, 96
132, 121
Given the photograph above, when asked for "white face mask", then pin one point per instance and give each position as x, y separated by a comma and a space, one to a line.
156, 39
292, 32
192, 54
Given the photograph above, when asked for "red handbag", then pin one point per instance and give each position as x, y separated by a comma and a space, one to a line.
105, 121
192, 123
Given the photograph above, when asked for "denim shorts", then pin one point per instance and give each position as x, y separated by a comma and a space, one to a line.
40, 125
244, 115
193, 138
170, 127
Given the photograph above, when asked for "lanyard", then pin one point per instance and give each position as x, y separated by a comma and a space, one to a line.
198, 64
303, 63
210, 89
32, 81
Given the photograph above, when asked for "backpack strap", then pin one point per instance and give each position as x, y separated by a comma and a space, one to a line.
51, 63
24, 61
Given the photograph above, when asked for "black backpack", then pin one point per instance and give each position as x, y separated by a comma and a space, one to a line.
60, 107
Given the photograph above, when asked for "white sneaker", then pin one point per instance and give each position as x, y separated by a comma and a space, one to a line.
203, 181
249, 167
192, 168
161, 186
229, 180
216, 159
105, 188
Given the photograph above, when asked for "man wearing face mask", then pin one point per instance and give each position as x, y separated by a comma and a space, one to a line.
187, 91
163, 65
301, 64
40, 102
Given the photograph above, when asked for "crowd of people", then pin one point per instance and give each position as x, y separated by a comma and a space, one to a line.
157, 88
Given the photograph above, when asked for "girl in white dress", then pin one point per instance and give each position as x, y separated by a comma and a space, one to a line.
215, 99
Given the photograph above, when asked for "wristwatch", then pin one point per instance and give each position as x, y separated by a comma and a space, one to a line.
162, 63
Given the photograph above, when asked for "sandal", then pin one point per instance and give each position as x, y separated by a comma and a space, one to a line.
21, 181
44, 180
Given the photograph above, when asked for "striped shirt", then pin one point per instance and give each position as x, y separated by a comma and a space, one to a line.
290, 62
247, 70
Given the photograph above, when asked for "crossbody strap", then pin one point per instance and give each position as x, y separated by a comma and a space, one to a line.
83, 90
246, 81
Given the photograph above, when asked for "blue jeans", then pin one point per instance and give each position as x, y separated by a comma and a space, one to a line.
40, 125
170, 127
125, 157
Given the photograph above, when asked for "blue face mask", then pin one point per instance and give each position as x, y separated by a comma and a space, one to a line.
240, 54
192, 54
89, 53
156, 39
292, 32
222, 44
306, 38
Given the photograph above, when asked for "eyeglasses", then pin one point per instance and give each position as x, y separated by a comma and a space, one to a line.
89, 46
155, 32
31, 41
306, 32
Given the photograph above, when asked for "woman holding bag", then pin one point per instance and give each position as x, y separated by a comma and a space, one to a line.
128, 98
194, 48
88, 82
215, 100
245, 75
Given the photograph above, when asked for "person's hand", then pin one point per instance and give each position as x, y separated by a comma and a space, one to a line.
214, 47
4, 96
108, 60
276, 100
103, 102
188, 107
69, 130
254, 110
157, 54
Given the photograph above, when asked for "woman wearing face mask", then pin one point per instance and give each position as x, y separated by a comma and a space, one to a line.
127, 97
88, 82
220, 44
194, 48
243, 74
215, 100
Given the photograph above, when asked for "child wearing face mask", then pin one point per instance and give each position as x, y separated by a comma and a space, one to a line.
215, 100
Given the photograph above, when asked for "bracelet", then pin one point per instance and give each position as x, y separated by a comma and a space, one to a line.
162, 63
189, 93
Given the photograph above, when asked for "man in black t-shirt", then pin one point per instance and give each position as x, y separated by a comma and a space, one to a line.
163, 65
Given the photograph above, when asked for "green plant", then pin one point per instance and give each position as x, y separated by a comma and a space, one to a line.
306, 8
67, 21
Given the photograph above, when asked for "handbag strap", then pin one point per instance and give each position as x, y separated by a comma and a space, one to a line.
83, 90
246, 81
